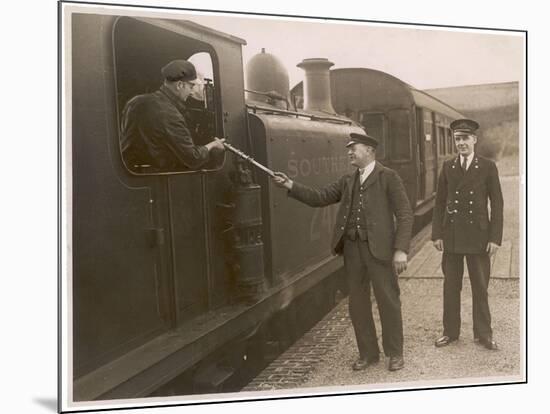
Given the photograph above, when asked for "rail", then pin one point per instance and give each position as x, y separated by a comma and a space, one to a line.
313, 117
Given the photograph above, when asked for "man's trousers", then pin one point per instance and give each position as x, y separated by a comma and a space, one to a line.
479, 267
363, 270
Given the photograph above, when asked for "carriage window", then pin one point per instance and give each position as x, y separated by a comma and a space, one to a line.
441, 140
450, 144
399, 133
375, 124
191, 115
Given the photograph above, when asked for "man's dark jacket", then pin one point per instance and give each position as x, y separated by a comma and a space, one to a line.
154, 132
387, 211
461, 216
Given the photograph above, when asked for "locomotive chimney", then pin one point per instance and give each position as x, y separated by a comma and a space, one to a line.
317, 85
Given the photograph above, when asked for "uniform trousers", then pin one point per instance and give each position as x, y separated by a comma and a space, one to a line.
479, 267
362, 270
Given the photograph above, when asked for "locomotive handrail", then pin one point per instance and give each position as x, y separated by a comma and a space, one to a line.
297, 114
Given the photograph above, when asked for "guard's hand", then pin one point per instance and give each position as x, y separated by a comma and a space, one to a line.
282, 180
216, 144
399, 261
492, 248
438, 244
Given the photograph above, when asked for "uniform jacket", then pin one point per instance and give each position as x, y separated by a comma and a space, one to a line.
461, 217
387, 211
154, 132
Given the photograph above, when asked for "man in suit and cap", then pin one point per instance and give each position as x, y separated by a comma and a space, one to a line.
373, 231
462, 228
154, 131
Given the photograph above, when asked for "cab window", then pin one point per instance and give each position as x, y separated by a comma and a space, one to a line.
140, 51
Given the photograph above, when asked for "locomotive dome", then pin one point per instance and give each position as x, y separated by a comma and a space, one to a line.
267, 80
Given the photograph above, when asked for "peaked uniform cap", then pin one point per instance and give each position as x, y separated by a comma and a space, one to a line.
362, 139
464, 125
179, 70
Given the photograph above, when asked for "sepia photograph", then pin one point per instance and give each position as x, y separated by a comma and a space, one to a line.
262, 206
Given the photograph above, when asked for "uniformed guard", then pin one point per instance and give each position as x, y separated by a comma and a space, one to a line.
462, 228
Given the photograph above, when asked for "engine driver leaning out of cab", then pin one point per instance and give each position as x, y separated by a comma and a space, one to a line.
154, 133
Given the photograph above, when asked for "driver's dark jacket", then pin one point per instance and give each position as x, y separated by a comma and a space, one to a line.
154, 134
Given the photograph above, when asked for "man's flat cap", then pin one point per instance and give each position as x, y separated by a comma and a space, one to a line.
179, 70
362, 139
464, 125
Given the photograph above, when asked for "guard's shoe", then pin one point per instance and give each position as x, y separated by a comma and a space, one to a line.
362, 363
444, 341
396, 363
488, 343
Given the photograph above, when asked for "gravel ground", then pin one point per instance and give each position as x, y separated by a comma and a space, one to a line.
422, 313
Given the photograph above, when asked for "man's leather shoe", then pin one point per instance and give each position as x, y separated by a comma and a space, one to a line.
444, 341
396, 363
488, 343
363, 363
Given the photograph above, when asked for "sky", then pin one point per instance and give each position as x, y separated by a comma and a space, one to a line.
423, 57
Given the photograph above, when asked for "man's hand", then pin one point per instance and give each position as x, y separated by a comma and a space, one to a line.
438, 244
399, 261
492, 248
282, 180
216, 144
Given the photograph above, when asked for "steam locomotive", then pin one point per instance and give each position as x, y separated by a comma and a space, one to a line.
180, 281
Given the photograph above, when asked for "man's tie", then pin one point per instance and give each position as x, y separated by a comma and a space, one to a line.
361, 171
464, 165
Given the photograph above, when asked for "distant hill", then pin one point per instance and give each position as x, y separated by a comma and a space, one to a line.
495, 106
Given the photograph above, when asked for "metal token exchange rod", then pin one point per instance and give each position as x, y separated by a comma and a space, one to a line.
249, 159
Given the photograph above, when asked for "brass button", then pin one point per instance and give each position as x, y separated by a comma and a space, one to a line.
456, 201
457, 192
471, 202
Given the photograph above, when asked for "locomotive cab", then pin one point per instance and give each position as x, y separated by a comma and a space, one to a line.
147, 247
